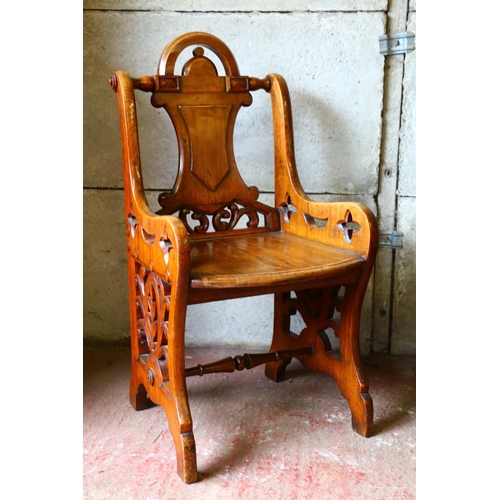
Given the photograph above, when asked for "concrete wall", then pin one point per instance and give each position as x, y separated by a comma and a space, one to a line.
328, 53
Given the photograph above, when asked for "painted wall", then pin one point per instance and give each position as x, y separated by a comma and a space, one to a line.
328, 53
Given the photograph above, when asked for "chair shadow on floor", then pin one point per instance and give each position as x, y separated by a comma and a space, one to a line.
242, 440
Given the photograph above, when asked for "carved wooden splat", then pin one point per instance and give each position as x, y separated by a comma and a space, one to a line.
208, 132
224, 219
203, 107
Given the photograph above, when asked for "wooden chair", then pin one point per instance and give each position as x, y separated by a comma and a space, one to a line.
213, 240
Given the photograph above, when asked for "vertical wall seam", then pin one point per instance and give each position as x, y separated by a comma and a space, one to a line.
396, 197
382, 160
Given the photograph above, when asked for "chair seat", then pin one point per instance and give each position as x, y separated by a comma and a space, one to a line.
268, 258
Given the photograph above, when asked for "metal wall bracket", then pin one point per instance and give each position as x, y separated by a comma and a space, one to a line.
397, 43
391, 239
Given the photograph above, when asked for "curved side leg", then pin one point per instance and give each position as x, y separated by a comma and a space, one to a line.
317, 309
165, 389
177, 409
352, 380
138, 394
348, 372
158, 316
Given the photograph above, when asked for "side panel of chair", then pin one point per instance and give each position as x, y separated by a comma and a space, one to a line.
351, 226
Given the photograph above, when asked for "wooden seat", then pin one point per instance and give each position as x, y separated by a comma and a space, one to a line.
268, 259
214, 240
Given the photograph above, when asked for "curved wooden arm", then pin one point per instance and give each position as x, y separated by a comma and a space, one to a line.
346, 225
160, 243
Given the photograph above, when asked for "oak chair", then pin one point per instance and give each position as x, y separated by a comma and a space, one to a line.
213, 240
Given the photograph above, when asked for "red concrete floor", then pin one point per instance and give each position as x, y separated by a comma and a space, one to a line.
255, 438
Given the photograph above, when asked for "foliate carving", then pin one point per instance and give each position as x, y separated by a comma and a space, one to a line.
224, 219
153, 303
203, 220
233, 216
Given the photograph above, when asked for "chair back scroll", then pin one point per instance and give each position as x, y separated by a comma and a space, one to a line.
209, 194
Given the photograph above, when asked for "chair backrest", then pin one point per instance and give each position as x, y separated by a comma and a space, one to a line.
209, 194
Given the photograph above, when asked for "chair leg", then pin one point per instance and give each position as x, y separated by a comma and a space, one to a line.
158, 372
275, 370
317, 308
177, 408
139, 398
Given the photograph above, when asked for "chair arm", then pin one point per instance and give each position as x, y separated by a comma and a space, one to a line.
160, 243
351, 226
348, 225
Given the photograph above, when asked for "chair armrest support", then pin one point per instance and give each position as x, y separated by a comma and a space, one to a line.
160, 243
351, 226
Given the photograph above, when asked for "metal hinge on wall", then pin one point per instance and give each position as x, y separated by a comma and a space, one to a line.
397, 43
391, 239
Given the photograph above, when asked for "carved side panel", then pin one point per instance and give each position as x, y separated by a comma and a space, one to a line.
153, 302
347, 227
148, 247
320, 310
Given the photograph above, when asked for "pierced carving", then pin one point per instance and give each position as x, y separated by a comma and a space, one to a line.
320, 309
315, 221
287, 209
348, 226
148, 237
132, 224
153, 303
233, 213
166, 247
197, 216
